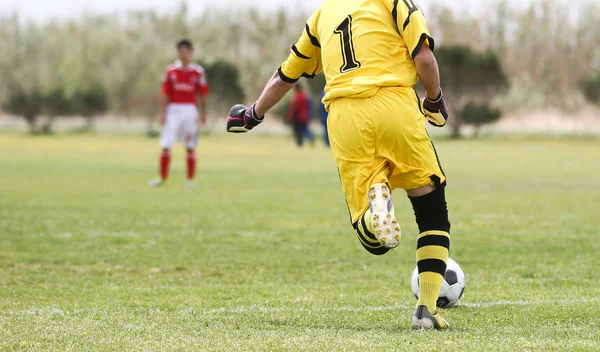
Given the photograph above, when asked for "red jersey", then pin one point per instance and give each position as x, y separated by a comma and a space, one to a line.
181, 85
300, 108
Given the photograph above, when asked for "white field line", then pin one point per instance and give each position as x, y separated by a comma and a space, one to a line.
266, 309
52, 311
530, 303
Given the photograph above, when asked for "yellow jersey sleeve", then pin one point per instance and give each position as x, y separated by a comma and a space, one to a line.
305, 57
412, 26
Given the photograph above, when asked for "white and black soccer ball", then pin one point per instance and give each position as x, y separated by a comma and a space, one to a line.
453, 285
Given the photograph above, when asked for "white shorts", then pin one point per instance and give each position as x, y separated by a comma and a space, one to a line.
182, 125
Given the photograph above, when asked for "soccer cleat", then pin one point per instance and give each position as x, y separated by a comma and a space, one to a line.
156, 182
190, 184
422, 319
383, 221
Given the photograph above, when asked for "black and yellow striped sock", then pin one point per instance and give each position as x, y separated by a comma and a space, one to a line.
366, 237
433, 244
432, 257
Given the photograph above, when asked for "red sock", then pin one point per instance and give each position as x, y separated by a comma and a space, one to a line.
165, 160
191, 165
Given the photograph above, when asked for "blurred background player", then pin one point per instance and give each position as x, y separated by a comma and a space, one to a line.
299, 116
323, 115
308, 133
372, 55
184, 90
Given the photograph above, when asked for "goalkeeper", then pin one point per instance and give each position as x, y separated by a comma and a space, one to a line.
372, 54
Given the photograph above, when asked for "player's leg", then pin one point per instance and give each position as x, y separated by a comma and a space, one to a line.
299, 131
426, 191
308, 134
433, 244
163, 168
190, 139
363, 175
168, 135
404, 142
366, 236
165, 162
191, 167
377, 229
325, 133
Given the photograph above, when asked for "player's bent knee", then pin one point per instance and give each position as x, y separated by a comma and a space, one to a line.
368, 240
421, 191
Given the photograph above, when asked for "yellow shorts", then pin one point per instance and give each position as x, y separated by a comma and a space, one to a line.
381, 139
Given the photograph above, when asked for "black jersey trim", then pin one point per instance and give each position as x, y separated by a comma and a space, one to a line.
313, 39
411, 9
286, 78
298, 53
424, 37
395, 11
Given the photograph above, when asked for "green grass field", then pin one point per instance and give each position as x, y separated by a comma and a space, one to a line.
261, 255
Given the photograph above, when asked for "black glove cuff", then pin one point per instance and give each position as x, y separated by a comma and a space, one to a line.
433, 105
439, 98
253, 110
251, 120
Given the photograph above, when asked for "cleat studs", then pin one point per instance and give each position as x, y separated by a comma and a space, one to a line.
394, 221
385, 195
375, 224
379, 232
398, 238
389, 230
372, 197
375, 216
385, 222
384, 240
389, 215
397, 228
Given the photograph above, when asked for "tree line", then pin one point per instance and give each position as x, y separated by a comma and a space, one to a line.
544, 55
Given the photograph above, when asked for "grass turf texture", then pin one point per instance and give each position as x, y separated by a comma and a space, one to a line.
261, 255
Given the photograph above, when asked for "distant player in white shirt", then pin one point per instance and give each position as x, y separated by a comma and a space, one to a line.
184, 90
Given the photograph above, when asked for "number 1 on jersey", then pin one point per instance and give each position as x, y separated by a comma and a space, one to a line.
345, 32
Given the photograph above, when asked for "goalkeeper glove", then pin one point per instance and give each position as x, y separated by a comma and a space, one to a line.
242, 119
436, 110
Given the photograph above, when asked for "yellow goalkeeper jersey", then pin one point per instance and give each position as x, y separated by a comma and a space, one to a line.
360, 45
